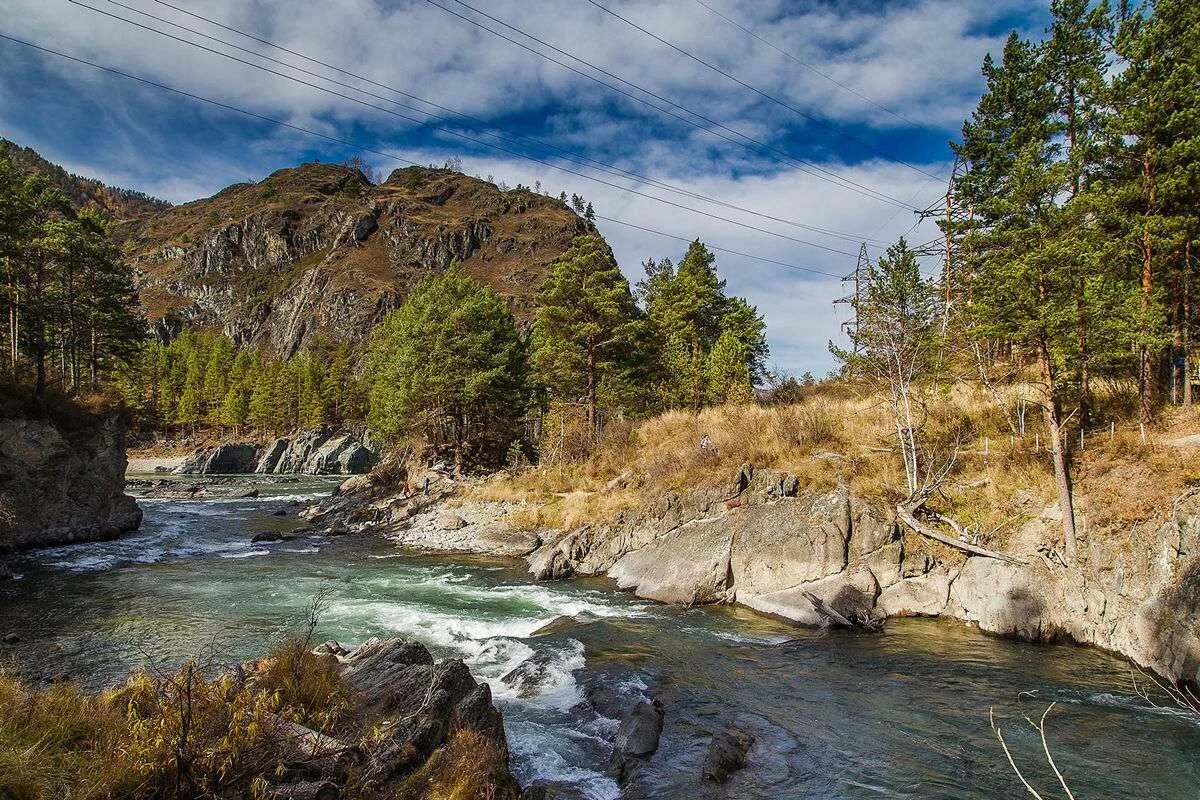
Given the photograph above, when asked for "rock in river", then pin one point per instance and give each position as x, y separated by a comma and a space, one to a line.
727, 753
637, 738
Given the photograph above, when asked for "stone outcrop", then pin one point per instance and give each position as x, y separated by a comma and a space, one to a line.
637, 738
323, 451
753, 542
318, 252
407, 707
63, 482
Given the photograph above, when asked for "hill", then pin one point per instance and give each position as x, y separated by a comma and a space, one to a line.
318, 251
122, 205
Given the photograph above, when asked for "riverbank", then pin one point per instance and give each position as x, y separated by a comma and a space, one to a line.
676, 525
302, 723
835, 714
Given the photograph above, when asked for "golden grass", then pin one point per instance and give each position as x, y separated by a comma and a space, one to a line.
839, 434
469, 767
191, 733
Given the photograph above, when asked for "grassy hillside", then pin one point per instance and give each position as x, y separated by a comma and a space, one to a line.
838, 435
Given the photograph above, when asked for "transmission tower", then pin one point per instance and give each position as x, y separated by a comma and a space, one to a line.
952, 215
857, 289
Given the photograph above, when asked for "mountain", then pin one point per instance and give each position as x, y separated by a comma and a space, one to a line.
122, 205
317, 250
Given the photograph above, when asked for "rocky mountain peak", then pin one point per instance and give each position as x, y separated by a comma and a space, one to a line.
319, 251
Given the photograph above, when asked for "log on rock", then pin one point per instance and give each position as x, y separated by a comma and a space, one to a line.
303, 747
830, 613
912, 522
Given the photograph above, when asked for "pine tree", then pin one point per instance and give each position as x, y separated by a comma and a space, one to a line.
584, 336
449, 365
1152, 196
727, 370
216, 379
897, 347
191, 399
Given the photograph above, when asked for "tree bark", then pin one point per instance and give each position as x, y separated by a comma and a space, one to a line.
1053, 416
1187, 324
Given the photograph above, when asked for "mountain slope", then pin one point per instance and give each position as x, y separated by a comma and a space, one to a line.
122, 205
317, 251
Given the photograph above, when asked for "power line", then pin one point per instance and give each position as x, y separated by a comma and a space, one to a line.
217, 103
755, 89
576, 157
718, 249
808, 66
464, 136
718, 129
345, 142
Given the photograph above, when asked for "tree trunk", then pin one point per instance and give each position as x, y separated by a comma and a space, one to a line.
1062, 474
39, 361
591, 386
1187, 324
1146, 377
1085, 392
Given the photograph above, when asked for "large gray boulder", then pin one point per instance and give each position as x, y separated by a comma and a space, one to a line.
235, 458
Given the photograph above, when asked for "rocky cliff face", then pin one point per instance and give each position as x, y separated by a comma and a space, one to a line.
323, 451
63, 483
318, 251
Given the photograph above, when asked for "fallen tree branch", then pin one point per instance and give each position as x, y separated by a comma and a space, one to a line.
829, 611
908, 519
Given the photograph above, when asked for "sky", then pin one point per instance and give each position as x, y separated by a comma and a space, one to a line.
802, 114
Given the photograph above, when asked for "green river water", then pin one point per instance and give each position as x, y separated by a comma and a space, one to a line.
903, 714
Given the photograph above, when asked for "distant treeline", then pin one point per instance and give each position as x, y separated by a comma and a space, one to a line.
200, 379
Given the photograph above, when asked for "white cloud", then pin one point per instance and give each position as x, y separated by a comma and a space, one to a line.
920, 58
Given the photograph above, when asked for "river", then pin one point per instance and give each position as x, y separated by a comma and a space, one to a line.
903, 714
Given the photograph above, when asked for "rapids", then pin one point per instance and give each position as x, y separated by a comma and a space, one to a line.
839, 715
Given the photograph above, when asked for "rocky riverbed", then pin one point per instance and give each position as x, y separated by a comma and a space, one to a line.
754, 542
751, 707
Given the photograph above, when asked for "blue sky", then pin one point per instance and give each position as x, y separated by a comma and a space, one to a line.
841, 62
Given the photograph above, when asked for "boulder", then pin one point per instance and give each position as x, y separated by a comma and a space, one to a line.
236, 458
726, 753
330, 648
450, 522
10, 638
528, 676
637, 738
398, 679
62, 483
270, 536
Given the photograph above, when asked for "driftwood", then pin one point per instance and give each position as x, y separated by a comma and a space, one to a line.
829, 611
908, 519
307, 751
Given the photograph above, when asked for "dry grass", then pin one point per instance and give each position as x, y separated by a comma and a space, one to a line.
192, 733
469, 767
837, 435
